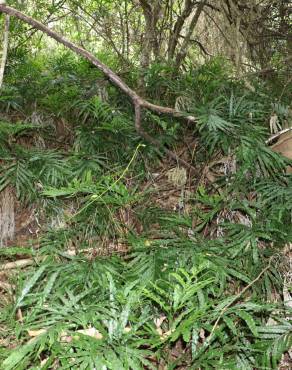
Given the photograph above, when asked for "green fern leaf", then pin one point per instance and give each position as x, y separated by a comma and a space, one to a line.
248, 319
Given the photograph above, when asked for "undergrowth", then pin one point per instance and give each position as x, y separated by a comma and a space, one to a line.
199, 286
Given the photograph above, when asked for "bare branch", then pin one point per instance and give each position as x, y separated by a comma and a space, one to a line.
138, 102
201, 46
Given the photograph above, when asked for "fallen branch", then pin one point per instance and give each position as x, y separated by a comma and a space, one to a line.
138, 102
272, 138
17, 264
22, 263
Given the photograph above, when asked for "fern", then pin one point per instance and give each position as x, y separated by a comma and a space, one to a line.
200, 281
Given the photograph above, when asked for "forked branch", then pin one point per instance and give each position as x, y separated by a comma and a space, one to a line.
138, 102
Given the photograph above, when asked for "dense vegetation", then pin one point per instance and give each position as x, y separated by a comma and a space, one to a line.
124, 257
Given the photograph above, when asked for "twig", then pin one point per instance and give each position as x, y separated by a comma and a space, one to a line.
96, 197
236, 298
268, 70
138, 102
17, 264
31, 261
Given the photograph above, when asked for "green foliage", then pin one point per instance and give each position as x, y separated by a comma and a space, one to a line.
130, 314
202, 281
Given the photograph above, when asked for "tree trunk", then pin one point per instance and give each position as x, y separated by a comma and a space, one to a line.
5, 48
150, 45
178, 28
185, 45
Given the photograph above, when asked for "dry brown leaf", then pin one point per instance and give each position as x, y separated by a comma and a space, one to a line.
166, 334
177, 176
274, 124
19, 315
66, 338
91, 332
4, 342
202, 334
159, 320
6, 286
284, 147
36, 333
44, 361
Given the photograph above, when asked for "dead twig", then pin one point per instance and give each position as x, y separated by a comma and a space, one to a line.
17, 264
22, 263
222, 312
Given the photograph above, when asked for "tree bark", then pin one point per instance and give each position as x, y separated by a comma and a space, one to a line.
185, 45
150, 46
188, 7
5, 48
138, 102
